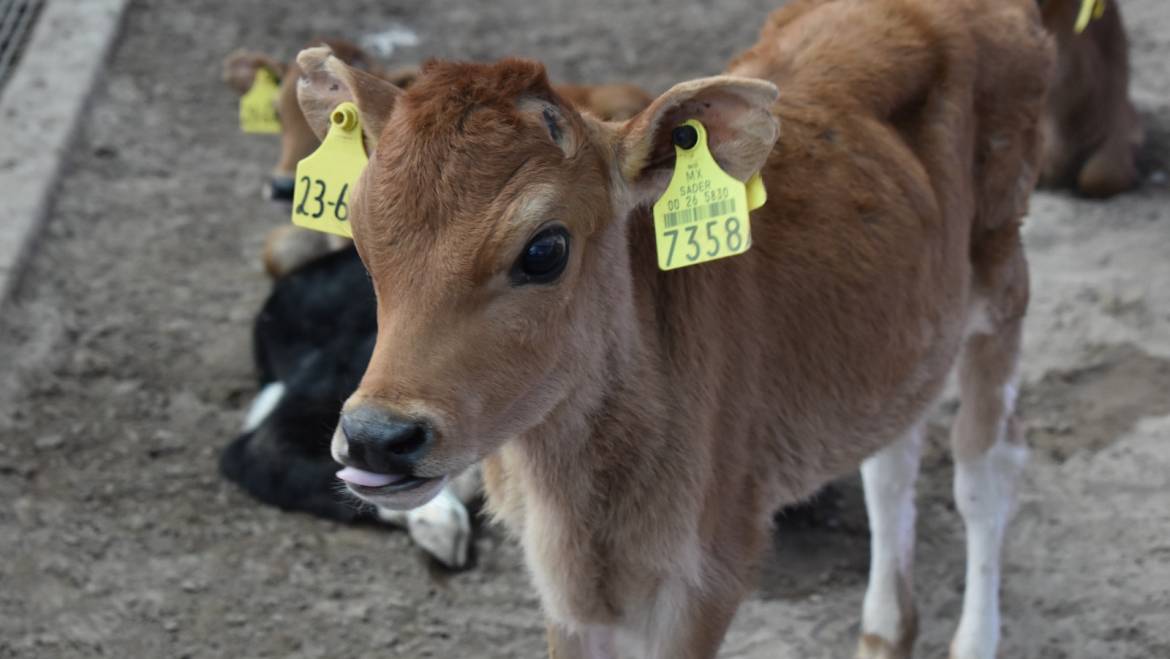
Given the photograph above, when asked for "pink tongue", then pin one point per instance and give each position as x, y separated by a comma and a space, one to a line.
366, 478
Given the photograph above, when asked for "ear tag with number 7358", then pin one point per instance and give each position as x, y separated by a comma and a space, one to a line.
703, 215
258, 104
326, 176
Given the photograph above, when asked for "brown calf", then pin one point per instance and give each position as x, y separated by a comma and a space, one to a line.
638, 427
1092, 131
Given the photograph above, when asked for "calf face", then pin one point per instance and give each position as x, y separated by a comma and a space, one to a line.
491, 218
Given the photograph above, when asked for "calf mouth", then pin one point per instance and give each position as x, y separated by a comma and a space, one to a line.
393, 491
280, 188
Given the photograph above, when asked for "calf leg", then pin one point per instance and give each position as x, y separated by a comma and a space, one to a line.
1110, 170
593, 643
888, 621
678, 622
989, 456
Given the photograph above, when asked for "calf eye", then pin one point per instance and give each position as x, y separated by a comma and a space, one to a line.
543, 258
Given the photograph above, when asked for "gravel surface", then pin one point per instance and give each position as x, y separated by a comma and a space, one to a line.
126, 365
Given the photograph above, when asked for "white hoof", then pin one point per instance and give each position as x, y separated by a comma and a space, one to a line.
443, 528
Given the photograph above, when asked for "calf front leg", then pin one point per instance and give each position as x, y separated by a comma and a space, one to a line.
591, 643
678, 622
989, 458
889, 621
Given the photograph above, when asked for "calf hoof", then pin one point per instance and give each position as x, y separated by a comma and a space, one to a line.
442, 527
976, 641
955, 653
873, 646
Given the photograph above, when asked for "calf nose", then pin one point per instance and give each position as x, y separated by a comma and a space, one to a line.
280, 188
379, 441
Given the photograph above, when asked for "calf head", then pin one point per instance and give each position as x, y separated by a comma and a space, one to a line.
494, 221
296, 137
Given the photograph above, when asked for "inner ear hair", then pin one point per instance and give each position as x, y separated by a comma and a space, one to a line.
551, 122
736, 113
326, 81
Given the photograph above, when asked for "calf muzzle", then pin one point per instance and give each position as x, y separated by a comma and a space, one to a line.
381, 442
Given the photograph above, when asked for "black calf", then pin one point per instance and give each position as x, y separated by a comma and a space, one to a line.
312, 341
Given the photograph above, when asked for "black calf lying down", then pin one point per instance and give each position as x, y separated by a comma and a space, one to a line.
311, 342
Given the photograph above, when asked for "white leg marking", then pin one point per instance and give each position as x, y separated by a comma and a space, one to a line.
598, 643
985, 494
263, 404
652, 630
888, 478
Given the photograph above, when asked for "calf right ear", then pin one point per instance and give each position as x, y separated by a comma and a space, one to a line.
239, 68
736, 113
326, 82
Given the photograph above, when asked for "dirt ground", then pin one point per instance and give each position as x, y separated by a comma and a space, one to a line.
125, 366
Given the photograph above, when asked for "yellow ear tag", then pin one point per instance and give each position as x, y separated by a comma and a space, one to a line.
1090, 10
756, 194
326, 176
258, 104
703, 215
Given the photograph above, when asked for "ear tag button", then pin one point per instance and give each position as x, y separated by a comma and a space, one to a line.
258, 105
703, 215
326, 176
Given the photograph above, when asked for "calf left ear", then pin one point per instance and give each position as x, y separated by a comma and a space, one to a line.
326, 82
737, 113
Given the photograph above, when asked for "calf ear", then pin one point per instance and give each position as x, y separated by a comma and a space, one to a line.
326, 82
239, 69
737, 113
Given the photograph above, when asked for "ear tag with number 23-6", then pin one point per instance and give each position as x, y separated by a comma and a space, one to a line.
258, 104
703, 215
326, 176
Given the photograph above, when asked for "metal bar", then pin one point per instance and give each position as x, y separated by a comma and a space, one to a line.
15, 25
